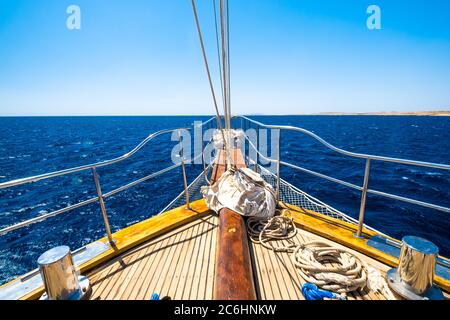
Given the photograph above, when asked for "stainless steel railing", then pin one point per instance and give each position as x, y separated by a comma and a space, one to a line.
100, 195
369, 158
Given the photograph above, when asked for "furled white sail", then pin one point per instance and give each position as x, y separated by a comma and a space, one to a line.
243, 191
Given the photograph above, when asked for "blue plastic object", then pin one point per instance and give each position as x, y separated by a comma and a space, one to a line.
155, 296
312, 292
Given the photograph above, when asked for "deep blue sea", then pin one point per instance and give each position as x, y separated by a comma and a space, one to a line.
31, 146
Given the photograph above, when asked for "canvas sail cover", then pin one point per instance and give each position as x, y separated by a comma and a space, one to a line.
243, 191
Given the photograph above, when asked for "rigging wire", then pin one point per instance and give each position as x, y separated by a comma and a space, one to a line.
224, 75
225, 68
211, 85
218, 49
228, 61
219, 122
224, 60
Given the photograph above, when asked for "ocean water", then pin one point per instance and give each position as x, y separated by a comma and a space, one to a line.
31, 146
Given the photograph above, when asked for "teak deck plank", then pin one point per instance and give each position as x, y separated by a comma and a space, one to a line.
173, 292
148, 263
184, 270
133, 266
198, 267
150, 274
256, 274
189, 265
272, 273
212, 245
295, 284
140, 266
203, 271
177, 264
162, 273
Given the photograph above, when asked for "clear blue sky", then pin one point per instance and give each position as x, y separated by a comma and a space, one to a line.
139, 57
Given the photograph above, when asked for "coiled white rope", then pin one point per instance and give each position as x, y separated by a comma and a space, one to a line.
263, 231
312, 259
347, 275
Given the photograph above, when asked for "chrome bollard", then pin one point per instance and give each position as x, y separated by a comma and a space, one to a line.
413, 279
417, 263
59, 276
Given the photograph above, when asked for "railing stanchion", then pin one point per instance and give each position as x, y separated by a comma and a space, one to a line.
183, 169
256, 150
278, 166
363, 199
102, 205
203, 157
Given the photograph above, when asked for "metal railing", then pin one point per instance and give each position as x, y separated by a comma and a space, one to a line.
369, 158
364, 189
100, 195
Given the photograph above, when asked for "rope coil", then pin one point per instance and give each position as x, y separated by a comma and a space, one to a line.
263, 231
313, 259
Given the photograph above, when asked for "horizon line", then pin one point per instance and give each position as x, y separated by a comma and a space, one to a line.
424, 113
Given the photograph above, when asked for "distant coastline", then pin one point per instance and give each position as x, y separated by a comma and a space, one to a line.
381, 113
389, 113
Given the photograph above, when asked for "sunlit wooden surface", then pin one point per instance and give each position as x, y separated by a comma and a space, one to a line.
180, 264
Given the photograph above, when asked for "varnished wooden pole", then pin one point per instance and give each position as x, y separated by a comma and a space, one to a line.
233, 273
233, 276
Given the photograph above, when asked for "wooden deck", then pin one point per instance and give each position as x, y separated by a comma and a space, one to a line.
181, 265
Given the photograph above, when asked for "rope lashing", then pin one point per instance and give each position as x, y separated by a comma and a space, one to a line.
311, 292
263, 231
348, 274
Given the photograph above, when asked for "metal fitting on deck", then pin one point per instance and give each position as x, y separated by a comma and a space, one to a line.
413, 279
60, 277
